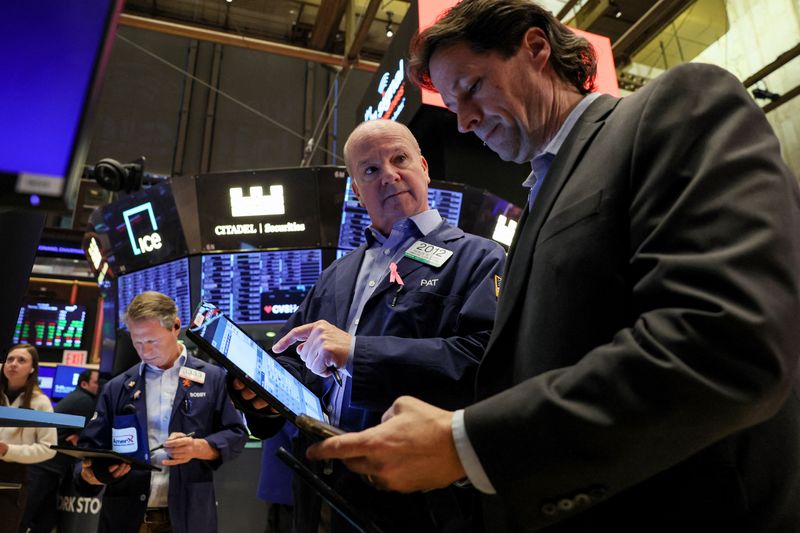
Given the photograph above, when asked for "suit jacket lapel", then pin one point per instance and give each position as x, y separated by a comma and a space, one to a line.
521, 256
346, 274
139, 401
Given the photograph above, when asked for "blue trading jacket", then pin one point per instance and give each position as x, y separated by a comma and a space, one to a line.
205, 409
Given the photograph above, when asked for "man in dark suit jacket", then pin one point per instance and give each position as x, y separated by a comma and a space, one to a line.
639, 375
421, 332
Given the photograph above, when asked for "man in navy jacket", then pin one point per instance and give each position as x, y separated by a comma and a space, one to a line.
173, 399
392, 324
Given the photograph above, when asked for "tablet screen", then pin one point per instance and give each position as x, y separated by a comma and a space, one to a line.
231, 342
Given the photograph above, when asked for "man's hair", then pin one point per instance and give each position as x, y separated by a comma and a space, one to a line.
86, 375
152, 305
498, 26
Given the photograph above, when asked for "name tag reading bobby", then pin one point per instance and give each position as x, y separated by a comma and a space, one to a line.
428, 254
198, 376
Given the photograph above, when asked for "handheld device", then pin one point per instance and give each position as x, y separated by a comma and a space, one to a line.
110, 455
317, 427
334, 499
226, 343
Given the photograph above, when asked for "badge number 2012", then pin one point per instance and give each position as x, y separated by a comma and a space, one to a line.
428, 254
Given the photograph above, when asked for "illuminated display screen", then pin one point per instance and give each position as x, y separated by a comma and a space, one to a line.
139, 230
66, 380
46, 376
230, 342
50, 325
170, 278
261, 286
259, 209
355, 218
53, 56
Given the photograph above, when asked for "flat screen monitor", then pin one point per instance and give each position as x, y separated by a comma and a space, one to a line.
171, 278
259, 287
65, 380
53, 56
52, 325
276, 208
355, 218
47, 375
139, 230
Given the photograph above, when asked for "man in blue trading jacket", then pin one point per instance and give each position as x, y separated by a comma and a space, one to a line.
409, 312
175, 400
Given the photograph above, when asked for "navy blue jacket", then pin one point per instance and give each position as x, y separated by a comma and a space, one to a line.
426, 343
192, 502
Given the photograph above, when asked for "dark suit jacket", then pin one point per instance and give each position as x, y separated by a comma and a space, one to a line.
426, 342
203, 408
649, 324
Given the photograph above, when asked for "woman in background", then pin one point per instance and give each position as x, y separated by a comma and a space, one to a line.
19, 387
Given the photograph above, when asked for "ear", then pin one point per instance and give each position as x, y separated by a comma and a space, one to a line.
31, 372
354, 186
425, 167
536, 47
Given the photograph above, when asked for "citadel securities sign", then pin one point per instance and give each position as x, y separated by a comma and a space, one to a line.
258, 209
257, 204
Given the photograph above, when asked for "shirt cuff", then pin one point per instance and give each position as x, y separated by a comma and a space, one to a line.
349, 366
466, 454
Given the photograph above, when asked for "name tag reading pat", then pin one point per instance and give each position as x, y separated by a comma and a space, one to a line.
428, 254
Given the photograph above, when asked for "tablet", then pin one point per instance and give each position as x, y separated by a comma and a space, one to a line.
97, 453
226, 343
333, 498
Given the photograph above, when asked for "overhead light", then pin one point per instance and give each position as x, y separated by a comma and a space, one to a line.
229, 1
389, 31
617, 10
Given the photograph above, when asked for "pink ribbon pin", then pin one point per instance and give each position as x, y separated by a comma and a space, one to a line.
394, 277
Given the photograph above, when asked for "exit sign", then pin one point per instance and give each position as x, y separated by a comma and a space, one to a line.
75, 357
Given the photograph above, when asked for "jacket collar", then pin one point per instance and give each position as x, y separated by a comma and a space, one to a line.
520, 256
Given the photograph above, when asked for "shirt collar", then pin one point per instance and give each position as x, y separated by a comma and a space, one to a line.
178, 363
424, 222
541, 162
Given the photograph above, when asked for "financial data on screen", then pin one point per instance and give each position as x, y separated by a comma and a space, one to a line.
253, 360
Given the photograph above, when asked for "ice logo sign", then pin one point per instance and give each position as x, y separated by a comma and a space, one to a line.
146, 243
257, 204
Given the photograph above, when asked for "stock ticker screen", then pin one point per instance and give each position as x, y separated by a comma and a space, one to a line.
170, 278
259, 287
355, 218
50, 325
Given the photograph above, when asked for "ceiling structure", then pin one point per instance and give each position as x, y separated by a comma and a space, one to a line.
318, 26
331, 30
